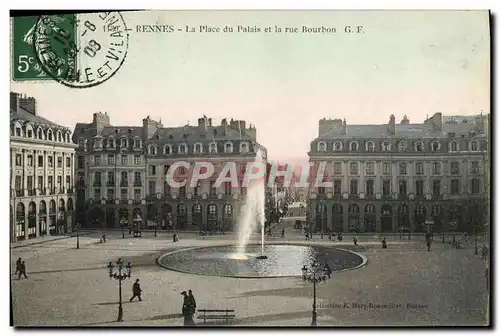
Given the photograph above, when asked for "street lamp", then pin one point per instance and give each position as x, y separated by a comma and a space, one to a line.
156, 224
120, 273
77, 228
315, 274
123, 221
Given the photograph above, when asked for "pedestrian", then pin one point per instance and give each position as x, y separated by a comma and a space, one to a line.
18, 266
22, 270
304, 272
355, 240
187, 310
429, 245
136, 291
174, 237
339, 237
328, 270
384, 243
283, 233
307, 235
192, 300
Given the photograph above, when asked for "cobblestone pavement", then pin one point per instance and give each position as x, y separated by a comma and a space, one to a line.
70, 287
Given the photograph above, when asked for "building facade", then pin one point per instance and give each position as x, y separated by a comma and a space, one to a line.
121, 173
398, 177
42, 198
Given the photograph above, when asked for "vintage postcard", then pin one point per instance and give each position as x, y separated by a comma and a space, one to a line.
250, 168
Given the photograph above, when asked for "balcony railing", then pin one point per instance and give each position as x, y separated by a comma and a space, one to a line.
124, 184
52, 190
110, 183
19, 193
137, 184
136, 201
351, 195
97, 184
31, 192
43, 191
69, 190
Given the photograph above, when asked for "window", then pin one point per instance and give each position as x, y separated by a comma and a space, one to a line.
30, 160
386, 167
454, 146
111, 178
111, 159
152, 170
227, 188
166, 188
18, 131
182, 149
40, 161
51, 161
370, 168
152, 188
137, 159
124, 179
228, 148
436, 168
419, 146
29, 133
436, 188
59, 162
402, 168
40, 182
97, 160
386, 187
97, 177
111, 143
455, 186
353, 146
369, 187
59, 181
370, 146
474, 167
213, 148
198, 148
110, 194
474, 146
123, 194
337, 146
97, 143
419, 168
182, 192
454, 168
68, 181
19, 183
244, 148
137, 143
59, 136
337, 187
354, 168
435, 146
137, 194
475, 186
197, 189
402, 146
68, 162
419, 188
50, 182
123, 143
213, 189
337, 168
29, 183
386, 146
321, 147
97, 194
403, 188
353, 188
137, 179
124, 159
165, 169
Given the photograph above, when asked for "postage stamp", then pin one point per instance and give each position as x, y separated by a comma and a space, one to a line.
77, 50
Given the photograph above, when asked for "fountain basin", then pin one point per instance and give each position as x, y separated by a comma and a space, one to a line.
283, 260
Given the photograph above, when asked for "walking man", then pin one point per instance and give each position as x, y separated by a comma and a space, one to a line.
22, 270
192, 301
136, 291
18, 266
355, 240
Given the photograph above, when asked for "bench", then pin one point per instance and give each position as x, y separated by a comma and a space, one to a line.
216, 314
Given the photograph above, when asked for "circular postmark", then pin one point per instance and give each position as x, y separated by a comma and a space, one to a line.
81, 50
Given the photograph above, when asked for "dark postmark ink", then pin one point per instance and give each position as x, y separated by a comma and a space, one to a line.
81, 50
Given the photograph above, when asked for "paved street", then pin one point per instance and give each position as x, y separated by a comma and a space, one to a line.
71, 287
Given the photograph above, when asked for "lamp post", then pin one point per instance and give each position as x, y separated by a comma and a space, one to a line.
475, 239
77, 235
315, 274
123, 221
119, 272
156, 224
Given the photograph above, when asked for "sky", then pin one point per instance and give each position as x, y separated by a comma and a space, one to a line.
412, 63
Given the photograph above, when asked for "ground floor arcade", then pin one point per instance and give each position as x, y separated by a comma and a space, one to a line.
32, 217
394, 216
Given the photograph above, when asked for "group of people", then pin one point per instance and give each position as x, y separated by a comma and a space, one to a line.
188, 307
326, 269
21, 268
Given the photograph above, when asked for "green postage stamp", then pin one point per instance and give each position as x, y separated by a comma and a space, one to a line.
78, 50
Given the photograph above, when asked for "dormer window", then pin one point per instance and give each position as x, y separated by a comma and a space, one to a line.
419, 146
167, 150
321, 146
67, 137
386, 146
402, 146
18, 131
435, 146
337, 146
137, 143
81, 142
152, 150
454, 146
474, 146
182, 149
353, 146
39, 134
228, 147
29, 132
213, 148
49, 135
198, 148
123, 143
97, 143
111, 143
370, 146
59, 137
244, 147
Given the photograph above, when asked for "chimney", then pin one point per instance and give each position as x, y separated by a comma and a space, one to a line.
325, 125
210, 122
202, 124
18, 101
436, 121
405, 120
224, 126
99, 121
150, 127
392, 125
344, 127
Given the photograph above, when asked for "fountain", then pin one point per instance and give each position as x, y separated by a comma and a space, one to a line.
252, 213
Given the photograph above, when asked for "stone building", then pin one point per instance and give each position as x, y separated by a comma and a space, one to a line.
406, 176
42, 198
121, 173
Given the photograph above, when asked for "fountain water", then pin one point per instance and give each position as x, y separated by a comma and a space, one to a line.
253, 213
